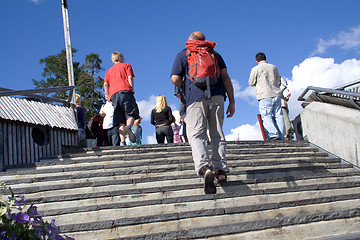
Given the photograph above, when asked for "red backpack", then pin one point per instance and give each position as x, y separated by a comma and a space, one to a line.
202, 63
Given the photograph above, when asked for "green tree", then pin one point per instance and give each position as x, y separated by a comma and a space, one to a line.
88, 83
56, 73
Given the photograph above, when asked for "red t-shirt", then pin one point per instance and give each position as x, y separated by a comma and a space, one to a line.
117, 78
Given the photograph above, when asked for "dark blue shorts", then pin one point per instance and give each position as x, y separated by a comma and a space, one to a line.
125, 107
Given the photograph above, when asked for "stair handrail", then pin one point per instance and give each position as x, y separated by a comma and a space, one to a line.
342, 87
327, 90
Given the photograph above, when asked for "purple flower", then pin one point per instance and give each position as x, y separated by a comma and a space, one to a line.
17, 203
3, 234
53, 222
28, 221
37, 220
22, 218
33, 210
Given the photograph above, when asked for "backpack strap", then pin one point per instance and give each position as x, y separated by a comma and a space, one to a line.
208, 93
215, 63
195, 65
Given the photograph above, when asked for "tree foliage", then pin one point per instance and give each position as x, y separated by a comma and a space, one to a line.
56, 74
88, 83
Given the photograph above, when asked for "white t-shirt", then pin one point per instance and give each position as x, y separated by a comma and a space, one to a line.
108, 109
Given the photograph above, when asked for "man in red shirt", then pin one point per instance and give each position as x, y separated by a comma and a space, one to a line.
119, 89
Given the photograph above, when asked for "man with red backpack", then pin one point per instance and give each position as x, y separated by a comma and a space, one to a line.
202, 73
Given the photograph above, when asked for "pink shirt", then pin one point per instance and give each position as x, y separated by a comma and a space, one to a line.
117, 78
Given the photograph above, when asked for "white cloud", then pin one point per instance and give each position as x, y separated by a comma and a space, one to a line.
319, 72
151, 139
248, 94
176, 115
145, 107
172, 106
36, 1
236, 87
344, 40
245, 132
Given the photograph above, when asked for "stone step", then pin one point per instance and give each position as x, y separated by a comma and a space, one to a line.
179, 147
349, 184
77, 167
152, 192
215, 225
237, 184
235, 153
161, 184
77, 170
339, 229
178, 152
88, 180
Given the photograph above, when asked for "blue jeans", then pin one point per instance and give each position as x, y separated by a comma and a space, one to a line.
269, 108
112, 136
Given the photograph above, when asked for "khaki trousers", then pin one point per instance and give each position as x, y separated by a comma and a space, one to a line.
199, 118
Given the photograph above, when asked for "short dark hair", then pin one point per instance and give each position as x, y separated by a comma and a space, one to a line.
260, 56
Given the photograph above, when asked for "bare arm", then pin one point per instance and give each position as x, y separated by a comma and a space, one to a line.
131, 82
176, 80
106, 89
229, 91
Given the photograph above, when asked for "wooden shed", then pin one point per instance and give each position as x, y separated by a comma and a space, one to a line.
31, 130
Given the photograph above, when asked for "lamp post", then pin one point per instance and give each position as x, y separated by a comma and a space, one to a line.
68, 50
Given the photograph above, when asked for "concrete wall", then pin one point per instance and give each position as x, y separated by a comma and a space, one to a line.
333, 128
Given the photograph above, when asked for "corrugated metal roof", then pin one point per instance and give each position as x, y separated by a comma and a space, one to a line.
19, 109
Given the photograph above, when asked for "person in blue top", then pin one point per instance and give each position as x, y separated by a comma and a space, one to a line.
80, 111
199, 117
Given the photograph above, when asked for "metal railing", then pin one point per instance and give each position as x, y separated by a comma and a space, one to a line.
328, 90
31, 93
346, 95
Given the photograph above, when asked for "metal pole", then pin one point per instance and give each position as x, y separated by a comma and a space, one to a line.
68, 50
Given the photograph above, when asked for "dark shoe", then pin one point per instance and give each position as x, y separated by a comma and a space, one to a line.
209, 185
131, 135
221, 173
274, 138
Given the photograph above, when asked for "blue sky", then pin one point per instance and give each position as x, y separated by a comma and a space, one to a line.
311, 42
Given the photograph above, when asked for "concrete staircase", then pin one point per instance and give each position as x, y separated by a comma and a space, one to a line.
276, 190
